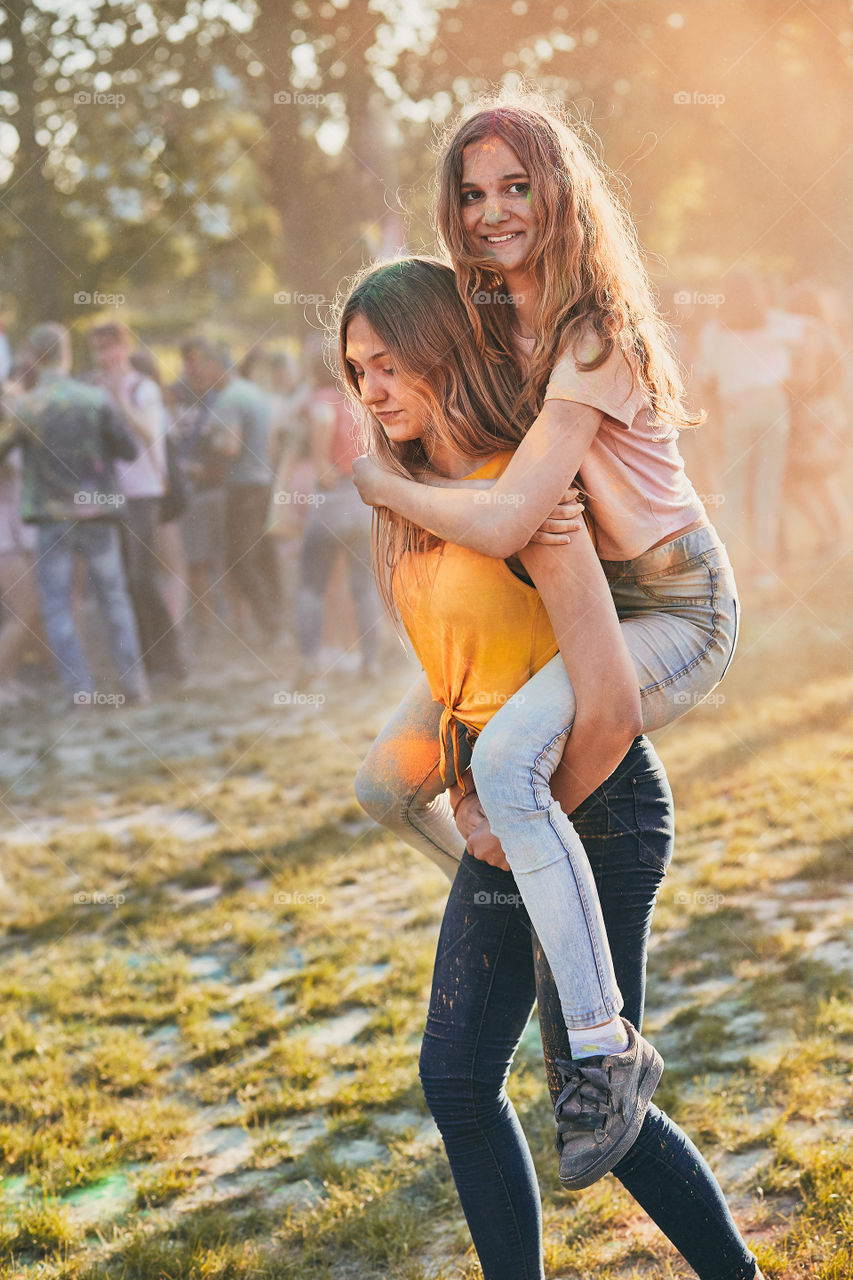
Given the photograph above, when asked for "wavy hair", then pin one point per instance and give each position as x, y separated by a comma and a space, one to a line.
587, 262
414, 307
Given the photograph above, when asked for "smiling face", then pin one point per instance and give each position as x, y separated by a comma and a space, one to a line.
496, 207
380, 387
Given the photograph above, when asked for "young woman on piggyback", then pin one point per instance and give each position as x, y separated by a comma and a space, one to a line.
549, 270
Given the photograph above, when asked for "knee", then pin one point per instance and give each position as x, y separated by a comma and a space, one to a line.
368, 793
460, 1102
381, 793
436, 1083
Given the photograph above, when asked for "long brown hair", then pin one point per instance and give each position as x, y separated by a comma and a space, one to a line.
587, 261
413, 306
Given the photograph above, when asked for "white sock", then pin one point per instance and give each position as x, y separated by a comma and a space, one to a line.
592, 1042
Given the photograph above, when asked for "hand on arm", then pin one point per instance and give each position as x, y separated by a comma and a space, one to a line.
473, 826
608, 713
541, 471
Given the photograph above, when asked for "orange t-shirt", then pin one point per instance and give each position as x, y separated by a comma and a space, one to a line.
479, 632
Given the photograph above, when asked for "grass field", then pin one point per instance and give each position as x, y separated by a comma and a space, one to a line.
215, 973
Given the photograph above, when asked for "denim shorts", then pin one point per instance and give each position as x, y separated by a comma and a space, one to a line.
680, 612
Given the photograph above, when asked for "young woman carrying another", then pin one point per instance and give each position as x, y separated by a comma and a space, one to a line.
408, 354
549, 270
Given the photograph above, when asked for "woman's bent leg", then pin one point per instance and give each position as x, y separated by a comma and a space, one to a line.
627, 830
482, 997
399, 783
681, 635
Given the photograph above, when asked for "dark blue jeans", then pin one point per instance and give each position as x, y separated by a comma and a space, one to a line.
489, 970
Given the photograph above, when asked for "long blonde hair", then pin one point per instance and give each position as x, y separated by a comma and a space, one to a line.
413, 306
586, 262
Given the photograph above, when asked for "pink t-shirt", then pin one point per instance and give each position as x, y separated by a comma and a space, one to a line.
634, 478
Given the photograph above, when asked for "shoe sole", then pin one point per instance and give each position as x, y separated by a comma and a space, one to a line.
648, 1084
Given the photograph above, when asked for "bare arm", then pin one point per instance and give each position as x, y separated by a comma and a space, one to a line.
608, 715
539, 473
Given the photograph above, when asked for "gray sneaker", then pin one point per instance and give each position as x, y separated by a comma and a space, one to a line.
601, 1108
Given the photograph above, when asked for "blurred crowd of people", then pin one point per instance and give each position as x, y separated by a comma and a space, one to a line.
774, 460
176, 525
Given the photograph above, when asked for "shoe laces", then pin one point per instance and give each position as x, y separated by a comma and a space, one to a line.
585, 1099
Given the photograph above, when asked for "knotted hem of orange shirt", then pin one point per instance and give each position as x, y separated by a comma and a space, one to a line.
449, 727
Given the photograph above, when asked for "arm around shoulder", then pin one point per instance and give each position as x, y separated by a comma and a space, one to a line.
541, 470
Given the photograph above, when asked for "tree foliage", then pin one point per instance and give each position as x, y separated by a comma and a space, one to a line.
215, 152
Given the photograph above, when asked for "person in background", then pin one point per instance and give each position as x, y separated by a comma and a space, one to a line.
687, 311
21, 622
5, 352
746, 358
241, 413
819, 437
142, 482
168, 550
70, 435
280, 374
337, 523
202, 525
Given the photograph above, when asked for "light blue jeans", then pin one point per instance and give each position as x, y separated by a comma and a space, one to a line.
97, 541
679, 608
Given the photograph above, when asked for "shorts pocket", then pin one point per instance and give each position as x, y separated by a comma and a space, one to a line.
692, 584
